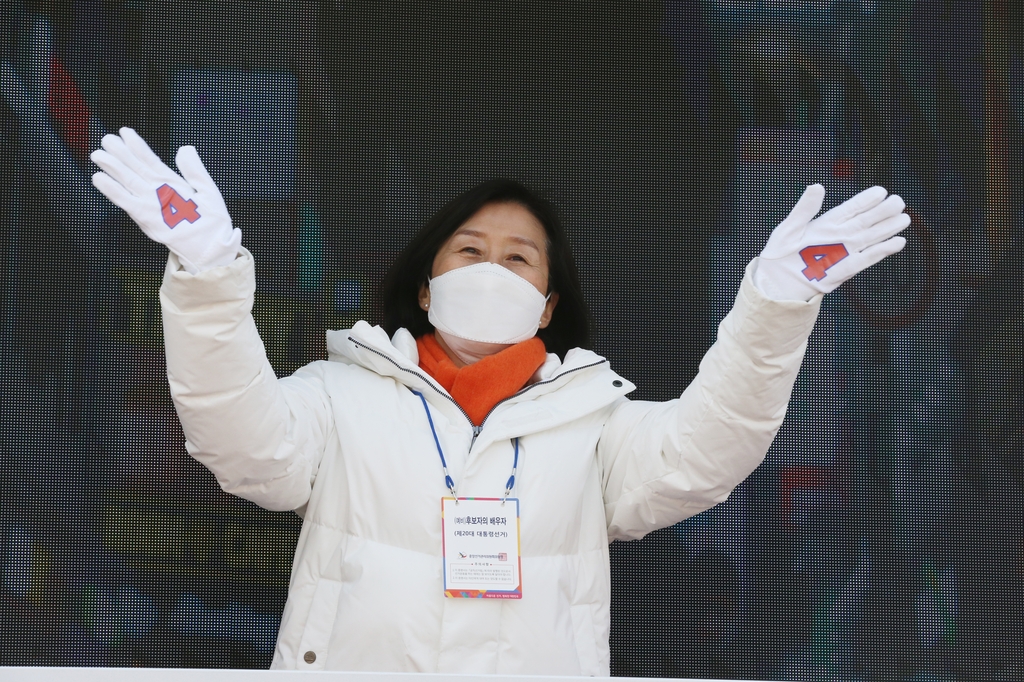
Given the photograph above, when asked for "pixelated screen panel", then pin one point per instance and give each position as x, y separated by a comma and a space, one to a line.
881, 538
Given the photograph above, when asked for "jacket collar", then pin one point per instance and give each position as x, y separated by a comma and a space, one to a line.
565, 391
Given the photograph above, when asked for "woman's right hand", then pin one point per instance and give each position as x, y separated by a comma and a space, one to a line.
184, 212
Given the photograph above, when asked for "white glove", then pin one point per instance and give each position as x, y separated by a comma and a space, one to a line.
186, 214
806, 256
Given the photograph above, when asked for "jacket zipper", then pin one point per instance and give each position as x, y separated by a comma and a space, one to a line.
539, 383
427, 381
476, 429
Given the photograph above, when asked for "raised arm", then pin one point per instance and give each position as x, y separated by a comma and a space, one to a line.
664, 462
262, 438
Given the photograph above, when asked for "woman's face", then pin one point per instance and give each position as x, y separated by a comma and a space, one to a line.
506, 234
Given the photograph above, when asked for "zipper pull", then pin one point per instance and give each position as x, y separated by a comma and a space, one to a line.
476, 432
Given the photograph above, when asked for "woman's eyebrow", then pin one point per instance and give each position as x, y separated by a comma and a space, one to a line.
525, 242
470, 232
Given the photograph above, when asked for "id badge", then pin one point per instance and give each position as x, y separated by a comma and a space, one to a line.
481, 548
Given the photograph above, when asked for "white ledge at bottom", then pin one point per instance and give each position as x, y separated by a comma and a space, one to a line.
42, 674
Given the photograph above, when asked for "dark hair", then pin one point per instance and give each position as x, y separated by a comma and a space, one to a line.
569, 326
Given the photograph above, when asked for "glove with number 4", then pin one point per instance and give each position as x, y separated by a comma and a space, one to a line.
806, 256
184, 212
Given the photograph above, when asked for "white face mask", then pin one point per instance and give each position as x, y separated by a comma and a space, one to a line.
481, 309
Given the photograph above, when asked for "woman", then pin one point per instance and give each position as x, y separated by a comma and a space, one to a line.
477, 389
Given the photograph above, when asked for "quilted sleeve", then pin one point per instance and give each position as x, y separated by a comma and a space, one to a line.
263, 438
664, 462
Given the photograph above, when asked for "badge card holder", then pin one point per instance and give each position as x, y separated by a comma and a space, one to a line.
481, 548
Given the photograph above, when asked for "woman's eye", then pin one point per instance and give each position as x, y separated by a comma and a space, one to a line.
517, 258
469, 250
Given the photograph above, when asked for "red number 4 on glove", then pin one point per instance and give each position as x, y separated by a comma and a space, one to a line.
175, 207
821, 257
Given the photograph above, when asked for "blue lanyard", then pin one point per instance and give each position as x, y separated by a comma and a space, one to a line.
444, 465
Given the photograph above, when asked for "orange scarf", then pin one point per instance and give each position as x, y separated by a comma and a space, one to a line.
479, 387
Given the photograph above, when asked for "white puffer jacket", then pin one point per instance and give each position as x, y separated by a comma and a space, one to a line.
346, 443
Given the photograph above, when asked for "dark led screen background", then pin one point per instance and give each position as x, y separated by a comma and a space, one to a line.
882, 539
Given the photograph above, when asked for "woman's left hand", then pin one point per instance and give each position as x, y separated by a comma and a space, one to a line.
806, 256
